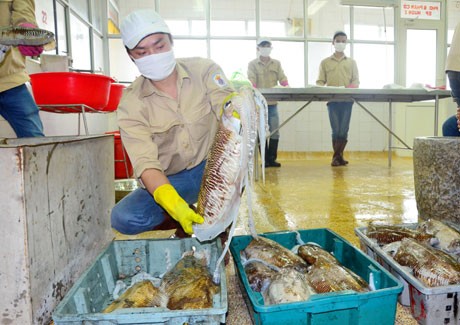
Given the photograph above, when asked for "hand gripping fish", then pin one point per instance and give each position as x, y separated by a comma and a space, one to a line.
230, 167
16, 35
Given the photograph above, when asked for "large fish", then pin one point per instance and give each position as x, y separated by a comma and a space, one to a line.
327, 274
448, 237
259, 274
16, 35
386, 234
189, 284
431, 266
287, 286
141, 294
273, 253
229, 167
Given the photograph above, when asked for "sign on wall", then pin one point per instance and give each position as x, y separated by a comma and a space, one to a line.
421, 10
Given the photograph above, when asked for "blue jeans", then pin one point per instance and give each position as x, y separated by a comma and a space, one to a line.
273, 121
339, 117
450, 127
138, 212
18, 107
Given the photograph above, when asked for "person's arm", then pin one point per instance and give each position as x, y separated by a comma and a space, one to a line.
321, 80
252, 76
354, 77
217, 92
282, 78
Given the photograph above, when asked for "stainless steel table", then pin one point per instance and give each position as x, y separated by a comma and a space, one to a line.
359, 95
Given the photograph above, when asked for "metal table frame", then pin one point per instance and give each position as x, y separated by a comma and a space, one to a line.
359, 95
73, 108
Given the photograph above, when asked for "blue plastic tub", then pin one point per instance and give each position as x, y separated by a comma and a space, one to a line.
92, 293
341, 308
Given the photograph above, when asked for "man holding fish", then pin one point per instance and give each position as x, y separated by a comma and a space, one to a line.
168, 118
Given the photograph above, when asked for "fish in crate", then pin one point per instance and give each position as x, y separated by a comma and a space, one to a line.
447, 236
230, 167
189, 284
140, 295
431, 266
385, 234
327, 274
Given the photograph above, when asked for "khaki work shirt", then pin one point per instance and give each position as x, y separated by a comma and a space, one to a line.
453, 58
13, 67
170, 134
266, 75
338, 72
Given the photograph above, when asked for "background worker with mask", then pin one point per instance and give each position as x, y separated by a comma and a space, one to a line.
168, 118
338, 70
265, 72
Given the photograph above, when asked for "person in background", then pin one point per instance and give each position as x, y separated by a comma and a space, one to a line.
265, 72
452, 125
167, 118
338, 70
17, 105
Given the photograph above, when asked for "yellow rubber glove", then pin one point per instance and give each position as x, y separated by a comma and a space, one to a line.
167, 196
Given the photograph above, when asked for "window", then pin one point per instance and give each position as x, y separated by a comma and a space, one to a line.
233, 18
282, 18
299, 42
325, 17
81, 50
61, 35
193, 23
374, 62
373, 24
81, 7
421, 57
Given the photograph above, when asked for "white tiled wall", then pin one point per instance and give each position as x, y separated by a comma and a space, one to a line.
310, 129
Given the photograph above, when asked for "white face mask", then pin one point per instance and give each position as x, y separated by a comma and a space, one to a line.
340, 47
156, 66
265, 51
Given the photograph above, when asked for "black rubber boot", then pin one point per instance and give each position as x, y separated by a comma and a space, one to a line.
337, 159
272, 153
342, 144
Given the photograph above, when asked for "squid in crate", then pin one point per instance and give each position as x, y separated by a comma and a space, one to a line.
230, 167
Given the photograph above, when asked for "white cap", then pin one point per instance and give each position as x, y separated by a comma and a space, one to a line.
264, 39
139, 24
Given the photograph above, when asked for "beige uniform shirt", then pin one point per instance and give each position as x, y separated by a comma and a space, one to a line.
338, 72
13, 67
266, 75
453, 58
169, 134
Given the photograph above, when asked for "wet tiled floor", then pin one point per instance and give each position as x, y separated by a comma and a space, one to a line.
306, 192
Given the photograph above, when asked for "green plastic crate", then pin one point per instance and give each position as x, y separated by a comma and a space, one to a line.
92, 293
346, 307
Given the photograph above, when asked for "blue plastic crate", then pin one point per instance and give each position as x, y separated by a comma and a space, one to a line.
341, 308
92, 293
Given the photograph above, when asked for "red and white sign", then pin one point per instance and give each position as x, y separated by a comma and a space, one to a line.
421, 10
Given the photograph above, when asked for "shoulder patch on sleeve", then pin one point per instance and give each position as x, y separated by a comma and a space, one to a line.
219, 79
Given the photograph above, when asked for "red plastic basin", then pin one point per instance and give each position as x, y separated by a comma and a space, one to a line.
71, 88
116, 90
